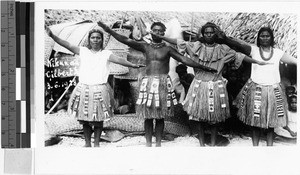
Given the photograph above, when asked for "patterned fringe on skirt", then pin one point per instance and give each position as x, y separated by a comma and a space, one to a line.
207, 101
262, 106
91, 103
156, 97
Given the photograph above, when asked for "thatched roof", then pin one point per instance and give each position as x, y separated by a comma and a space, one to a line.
240, 25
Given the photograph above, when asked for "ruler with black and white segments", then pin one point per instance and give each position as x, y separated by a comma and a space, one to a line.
15, 75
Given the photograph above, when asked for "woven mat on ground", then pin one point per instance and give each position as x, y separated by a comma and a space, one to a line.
125, 122
130, 122
61, 122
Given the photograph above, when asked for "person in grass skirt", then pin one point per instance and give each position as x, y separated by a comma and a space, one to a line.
91, 100
156, 97
262, 102
207, 99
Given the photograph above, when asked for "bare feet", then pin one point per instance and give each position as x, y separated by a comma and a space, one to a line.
87, 145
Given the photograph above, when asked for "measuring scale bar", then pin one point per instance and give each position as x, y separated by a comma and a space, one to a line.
15, 74
8, 75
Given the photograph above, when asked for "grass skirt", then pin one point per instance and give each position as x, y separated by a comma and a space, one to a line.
263, 106
207, 101
91, 103
161, 104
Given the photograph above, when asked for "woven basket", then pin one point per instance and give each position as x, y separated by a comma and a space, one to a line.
114, 44
135, 57
119, 49
117, 69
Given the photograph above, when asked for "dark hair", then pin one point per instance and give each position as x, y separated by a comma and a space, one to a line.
290, 88
181, 68
159, 24
89, 35
263, 29
208, 24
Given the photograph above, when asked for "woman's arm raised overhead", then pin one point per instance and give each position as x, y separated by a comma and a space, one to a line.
64, 43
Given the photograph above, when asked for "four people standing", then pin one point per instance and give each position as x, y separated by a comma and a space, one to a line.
261, 103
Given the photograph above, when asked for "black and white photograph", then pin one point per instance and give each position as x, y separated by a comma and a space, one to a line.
186, 81
224, 96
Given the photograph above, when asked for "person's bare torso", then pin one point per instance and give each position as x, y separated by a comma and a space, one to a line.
157, 60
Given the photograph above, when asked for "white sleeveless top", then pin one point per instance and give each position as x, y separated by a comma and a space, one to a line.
266, 74
94, 67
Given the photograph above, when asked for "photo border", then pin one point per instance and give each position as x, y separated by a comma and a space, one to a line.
208, 160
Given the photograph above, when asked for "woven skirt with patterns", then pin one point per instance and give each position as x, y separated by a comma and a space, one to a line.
207, 101
91, 103
263, 106
156, 98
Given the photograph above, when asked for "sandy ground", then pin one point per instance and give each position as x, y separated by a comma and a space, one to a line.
182, 141
231, 134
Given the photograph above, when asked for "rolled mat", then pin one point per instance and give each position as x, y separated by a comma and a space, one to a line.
125, 122
61, 122
131, 123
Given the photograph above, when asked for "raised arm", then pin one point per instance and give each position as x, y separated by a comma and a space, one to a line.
116, 59
286, 58
234, 43
238, 45
64, 43
187, 61
169, 40
122, 24
123, 39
